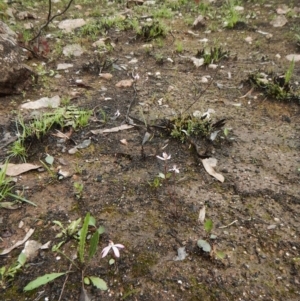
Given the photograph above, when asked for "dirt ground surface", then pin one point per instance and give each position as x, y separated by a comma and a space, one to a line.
255, 211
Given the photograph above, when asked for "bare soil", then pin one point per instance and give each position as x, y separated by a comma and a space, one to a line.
255, 212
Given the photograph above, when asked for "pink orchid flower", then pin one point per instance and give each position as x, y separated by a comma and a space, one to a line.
114, 247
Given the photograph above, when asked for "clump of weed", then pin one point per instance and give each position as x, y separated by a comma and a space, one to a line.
233, 17
179, 46
188, 126
152, 31
69, 116
278, 87
212, 55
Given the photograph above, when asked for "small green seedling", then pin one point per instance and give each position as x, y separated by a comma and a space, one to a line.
7, 274
78, 189
207, 245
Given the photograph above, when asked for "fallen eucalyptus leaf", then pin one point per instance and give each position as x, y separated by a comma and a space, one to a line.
113, 130
18, 243
13, 170
209, 165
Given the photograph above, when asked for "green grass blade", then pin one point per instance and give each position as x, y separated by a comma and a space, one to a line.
41, 281
94, 244
19, 198
82, 237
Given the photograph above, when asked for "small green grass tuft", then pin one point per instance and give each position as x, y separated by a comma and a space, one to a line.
212, 55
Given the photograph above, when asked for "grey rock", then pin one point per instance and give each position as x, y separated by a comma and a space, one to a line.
15, 76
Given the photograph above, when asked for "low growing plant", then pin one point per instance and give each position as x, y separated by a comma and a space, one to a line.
7, 274
69, 116
276, 86
212, 55
85, 254
208, 244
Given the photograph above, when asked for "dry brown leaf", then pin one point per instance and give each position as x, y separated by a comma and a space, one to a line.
125, 83
113, 130
209, 165
17, 169
124, 141
18, 243
106, 76
62, 135
201, 217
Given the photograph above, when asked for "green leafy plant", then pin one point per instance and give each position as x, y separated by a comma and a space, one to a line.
179, 46
208, 244
78, 189
84, 254
185, 126
7, 274
69, 116
276, 86
152, 31
212, 55
232, 15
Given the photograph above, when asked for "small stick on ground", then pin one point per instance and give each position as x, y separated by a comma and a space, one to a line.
223, 227
63, 287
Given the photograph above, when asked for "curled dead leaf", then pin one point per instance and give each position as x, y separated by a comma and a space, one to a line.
106, 76
124, 141
125, 83
209, 165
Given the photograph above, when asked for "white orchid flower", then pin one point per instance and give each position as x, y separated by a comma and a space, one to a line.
174, 169
164, 157
114, 247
